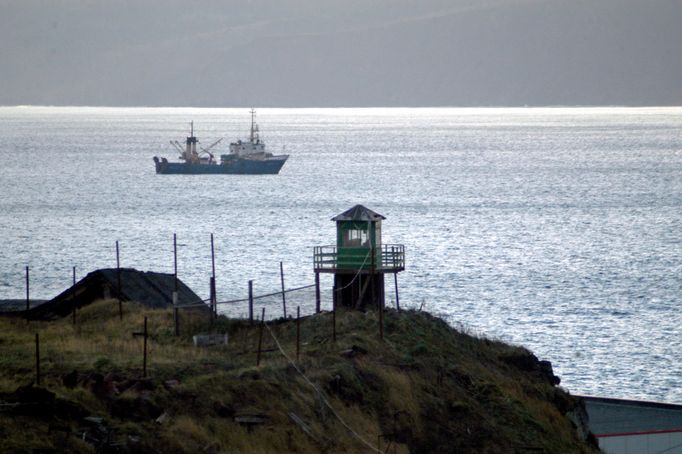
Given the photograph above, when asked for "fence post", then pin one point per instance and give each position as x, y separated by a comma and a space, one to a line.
334, 315
298, 332
381, 320
144, 334
397, 297
214, 298
144, 363
214, 310
118, 277
28, 304
317, 293
284, 301
176, 316
251, 302
37, 360
260, 337
73, 297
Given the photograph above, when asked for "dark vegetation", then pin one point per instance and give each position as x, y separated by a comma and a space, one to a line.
425, 387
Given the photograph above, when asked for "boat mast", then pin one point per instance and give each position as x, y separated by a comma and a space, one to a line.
253, 130
191, 143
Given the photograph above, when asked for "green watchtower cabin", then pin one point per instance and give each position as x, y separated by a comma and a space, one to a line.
359, 260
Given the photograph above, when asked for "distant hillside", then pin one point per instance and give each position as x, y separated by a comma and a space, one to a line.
342, 53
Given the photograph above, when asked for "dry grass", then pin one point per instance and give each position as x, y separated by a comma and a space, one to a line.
425, 386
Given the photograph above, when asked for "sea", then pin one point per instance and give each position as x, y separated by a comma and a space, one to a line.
559, 229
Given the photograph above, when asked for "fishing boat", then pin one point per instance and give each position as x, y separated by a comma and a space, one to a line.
246, 157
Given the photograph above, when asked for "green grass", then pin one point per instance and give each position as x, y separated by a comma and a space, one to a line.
424, 387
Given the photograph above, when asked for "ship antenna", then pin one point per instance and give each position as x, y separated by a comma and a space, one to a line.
191, 128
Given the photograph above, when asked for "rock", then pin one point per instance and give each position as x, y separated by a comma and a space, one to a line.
163, 418
171, 384
94, 420
143, 384
354, 351
528, 362
223, 410
250, 420
30, 394
70, 380
207, 340
138, 409
547, 371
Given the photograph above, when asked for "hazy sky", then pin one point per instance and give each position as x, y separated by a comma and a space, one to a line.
341, 52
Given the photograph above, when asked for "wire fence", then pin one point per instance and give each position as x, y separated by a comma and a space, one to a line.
277, 304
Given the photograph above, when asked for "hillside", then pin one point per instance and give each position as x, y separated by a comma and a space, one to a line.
299, 53
425, 387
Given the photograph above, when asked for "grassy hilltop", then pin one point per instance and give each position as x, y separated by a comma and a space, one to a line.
425, 387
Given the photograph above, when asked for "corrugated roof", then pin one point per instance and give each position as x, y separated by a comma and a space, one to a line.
358, 213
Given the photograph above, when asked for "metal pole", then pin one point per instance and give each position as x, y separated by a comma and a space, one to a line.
298, 332
397, 296
214, 298
371, 279
284, 301
317, 293
175, 260
381, 320
334, 315
176, 317
251, 302
212, 257
118, 276
28, 304
144, 363
37, 360
260, 336
73, 297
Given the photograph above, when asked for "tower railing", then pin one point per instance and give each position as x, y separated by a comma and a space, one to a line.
389, 258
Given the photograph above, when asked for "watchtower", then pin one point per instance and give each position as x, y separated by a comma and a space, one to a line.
359, 260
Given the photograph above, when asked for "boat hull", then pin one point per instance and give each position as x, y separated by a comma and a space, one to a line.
269, 166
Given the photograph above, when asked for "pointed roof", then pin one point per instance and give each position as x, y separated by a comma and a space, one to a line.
358, 213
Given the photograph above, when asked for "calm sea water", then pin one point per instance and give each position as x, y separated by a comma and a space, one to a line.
557, 229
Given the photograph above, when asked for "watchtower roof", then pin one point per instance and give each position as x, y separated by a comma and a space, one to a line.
358, 213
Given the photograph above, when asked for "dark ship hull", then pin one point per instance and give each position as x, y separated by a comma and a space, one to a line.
235, 166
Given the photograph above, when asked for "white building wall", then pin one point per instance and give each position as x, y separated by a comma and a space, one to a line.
648, 443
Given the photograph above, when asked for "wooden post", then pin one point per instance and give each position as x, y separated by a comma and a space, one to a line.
118, 277
381, 320
144, 363
397, 297
212, 258
260, 336
251, 302
317, 293
28, 304
145, 335
298, 332
37, 360
334, 315
214, 298
371, 278
73, 297
284, 300
214, 311
176, 316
